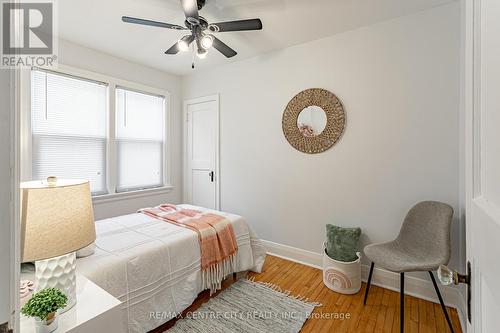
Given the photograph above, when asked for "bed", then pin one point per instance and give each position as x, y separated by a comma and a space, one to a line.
153, 267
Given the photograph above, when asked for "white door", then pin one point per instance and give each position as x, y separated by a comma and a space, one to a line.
202, 142
482, 78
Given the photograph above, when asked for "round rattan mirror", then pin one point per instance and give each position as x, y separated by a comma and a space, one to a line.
313, 120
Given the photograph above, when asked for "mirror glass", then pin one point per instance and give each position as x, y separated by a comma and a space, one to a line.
311, 121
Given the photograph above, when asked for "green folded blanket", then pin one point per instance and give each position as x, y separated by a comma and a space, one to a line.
342, 243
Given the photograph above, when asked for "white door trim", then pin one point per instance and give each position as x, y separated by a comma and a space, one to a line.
472, 131
186, 173
15, 204
15, 210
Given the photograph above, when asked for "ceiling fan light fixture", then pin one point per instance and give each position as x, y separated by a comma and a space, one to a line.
207, 41
202, 53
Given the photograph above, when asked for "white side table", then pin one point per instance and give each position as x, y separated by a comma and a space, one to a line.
95, 311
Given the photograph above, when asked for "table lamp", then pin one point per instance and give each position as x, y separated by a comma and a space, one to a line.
57, 219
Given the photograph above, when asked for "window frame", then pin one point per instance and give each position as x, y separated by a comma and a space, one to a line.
111, 146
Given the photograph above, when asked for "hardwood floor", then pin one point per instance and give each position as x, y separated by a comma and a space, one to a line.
381, 313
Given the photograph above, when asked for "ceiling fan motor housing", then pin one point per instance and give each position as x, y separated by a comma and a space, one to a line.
200, 22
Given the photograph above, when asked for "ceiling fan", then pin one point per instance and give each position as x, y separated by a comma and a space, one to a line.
201, 30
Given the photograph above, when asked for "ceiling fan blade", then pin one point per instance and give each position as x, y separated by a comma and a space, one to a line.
241, 25
135, 20
223, 48
175, 48
190, 8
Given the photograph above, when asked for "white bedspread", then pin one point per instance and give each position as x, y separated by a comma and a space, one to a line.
154, 267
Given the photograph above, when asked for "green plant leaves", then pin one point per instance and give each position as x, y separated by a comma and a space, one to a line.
44, 302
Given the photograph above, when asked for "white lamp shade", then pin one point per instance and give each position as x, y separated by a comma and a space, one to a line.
56, 218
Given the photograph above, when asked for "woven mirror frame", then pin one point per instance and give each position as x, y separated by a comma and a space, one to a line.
335, 120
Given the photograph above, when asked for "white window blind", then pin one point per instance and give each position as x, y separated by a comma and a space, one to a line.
69, 126
140, 140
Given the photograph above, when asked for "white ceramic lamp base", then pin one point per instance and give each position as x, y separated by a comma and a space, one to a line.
58, 272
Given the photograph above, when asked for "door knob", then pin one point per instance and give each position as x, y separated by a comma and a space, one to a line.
447, 276
211, 175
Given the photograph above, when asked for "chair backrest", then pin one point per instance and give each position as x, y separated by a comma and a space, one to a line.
426, 230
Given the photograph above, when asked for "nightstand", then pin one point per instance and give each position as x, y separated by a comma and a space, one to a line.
95, 311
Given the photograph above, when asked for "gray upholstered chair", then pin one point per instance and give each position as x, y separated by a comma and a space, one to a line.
423, 244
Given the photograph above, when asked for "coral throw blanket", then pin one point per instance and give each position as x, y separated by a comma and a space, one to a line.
216, 236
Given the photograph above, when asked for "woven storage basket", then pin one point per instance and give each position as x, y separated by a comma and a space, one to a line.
342, 277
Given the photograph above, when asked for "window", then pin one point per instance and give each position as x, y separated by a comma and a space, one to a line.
140, 129
71, 136
69, 128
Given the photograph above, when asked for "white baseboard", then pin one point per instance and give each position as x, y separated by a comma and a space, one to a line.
294, 254
414, 286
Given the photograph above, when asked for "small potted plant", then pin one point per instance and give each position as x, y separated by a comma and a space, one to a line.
43, 306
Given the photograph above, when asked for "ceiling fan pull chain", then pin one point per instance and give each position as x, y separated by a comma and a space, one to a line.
192, 54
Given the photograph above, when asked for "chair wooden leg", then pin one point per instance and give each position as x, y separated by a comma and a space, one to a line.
402, 303
235, 276
368, 283
441, 301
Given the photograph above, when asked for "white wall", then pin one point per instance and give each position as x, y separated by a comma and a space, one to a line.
84, 58
399, 83
6, 138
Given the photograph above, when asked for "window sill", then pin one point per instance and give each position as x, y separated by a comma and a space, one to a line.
105, 198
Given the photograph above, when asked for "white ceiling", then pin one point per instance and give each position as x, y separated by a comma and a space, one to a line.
97, 24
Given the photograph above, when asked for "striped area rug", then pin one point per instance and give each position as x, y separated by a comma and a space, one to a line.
248, 307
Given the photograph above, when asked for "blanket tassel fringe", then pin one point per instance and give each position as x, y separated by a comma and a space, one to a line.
212, 276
